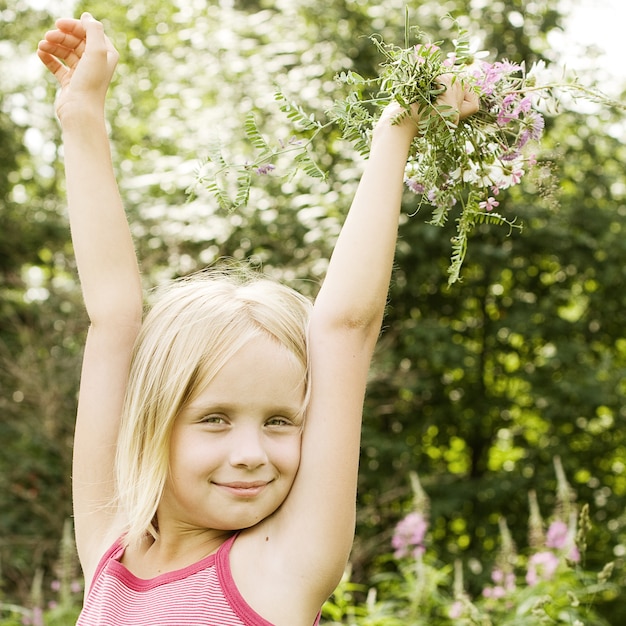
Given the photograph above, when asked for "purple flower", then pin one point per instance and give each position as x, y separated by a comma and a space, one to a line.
456, 610
265, 169
533, 131
541, 566
490, 74
574, 555
414, 186
557, 535
408, 537
509, 110
504, 583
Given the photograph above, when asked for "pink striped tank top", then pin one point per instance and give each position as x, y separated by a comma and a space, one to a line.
202, 594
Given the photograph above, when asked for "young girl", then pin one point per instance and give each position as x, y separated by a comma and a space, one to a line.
217, 443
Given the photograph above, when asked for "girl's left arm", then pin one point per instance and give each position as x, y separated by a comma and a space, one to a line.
344, 328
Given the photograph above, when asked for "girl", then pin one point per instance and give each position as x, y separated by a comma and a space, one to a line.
217, 445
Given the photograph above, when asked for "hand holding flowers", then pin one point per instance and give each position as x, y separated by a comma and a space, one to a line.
458, 164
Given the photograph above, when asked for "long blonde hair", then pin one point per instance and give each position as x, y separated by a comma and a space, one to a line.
194, 327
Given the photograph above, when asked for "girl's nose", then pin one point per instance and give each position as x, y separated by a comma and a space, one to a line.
248, 450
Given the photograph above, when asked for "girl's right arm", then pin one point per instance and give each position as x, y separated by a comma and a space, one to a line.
82, 59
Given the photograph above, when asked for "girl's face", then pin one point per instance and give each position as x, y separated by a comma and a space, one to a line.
235, 448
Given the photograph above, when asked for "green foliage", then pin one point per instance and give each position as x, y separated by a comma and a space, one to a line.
547, 585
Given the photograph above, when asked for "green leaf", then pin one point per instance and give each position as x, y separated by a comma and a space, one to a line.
296, 114
309, 166
253, 134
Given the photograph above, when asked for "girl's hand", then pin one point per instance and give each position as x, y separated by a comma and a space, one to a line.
456, 95
82, 59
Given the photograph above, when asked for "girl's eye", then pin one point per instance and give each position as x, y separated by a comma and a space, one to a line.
213, 419
279, 421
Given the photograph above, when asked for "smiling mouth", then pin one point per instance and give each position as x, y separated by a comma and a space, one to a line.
242, 489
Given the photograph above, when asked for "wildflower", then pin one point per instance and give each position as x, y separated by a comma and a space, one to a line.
414, 186
541, 566
489, 204
408, 537
456, 610
516, 176
557, 535
76, 586
265, 169
504, 584
450, 60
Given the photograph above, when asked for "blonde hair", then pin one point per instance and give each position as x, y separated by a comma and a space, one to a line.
192, 330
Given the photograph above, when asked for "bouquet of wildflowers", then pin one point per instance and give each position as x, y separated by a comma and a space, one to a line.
457, 168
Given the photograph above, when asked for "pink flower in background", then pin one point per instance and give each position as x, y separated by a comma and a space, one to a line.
560, 537
541, 566
408, 537
504, 583
557, 535
456, 610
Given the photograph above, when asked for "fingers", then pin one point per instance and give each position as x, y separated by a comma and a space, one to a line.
458, 95
66, 42
62, 48
71, 26
97, 42
54, 66
470, 103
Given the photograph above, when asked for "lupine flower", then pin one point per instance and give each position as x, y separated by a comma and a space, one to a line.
541, 566
557, 535
408, 537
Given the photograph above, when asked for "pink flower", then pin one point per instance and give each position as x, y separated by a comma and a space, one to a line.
265, 169
574, 555
456, 610
414, 186
450, 60
541, 566
489, 204
557, 535
408, 537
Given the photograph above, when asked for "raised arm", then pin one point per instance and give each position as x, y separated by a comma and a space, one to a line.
344, 329
82, 59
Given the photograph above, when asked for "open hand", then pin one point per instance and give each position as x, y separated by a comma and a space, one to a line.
82, 59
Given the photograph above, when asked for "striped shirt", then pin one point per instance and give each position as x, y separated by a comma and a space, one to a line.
202, 594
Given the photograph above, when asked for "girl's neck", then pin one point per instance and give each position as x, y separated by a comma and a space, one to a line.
172, 551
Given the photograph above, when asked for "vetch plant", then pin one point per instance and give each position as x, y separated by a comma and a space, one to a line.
458, 169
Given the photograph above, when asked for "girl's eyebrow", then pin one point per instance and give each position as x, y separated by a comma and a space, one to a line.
211, 406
